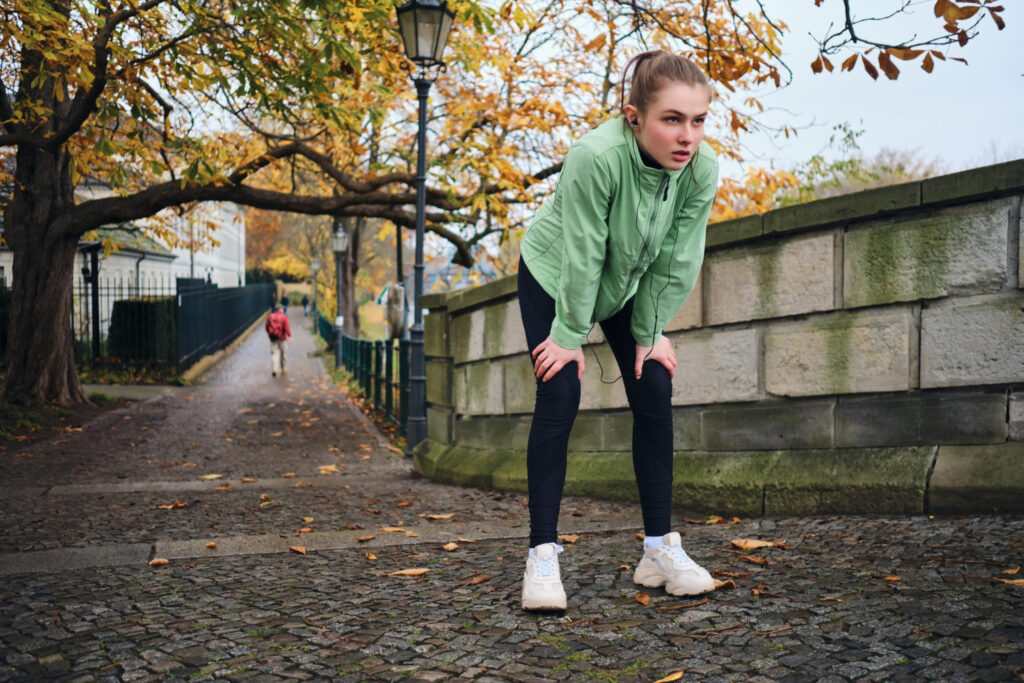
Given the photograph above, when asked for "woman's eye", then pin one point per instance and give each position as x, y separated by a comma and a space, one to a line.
698, 122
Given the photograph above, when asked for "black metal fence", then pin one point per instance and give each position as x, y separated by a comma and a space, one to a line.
168, 326
382, 370
210, 317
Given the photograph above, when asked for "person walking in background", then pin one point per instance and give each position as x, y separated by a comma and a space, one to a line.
279, 332
284, 302
305, 305
620, 243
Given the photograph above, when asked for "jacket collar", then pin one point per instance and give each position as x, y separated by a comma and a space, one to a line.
643, 169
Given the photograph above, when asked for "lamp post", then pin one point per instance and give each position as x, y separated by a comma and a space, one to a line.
425, 25
340, 243
314, 268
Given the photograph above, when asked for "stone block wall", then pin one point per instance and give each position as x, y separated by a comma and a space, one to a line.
872, 342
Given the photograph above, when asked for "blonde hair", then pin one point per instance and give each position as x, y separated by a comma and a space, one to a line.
651, 71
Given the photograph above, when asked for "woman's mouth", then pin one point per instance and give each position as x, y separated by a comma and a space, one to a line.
681, 155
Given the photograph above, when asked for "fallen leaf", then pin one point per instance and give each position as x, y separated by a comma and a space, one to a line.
211, 476
264, 496
301, 550
225, 487
450, 546
418, 571
713, 519
754, 559
266, 503
365, 457
447, 516
249, 480
753, 544
460, 539
371, 556
569, 538
174, 504
893, 578
403, 504
734, 575
158, 562
728, 583
768, 633
189, 565
365, 447
674, 676
392, 529
304, 530
211, 545
411, 534
1012, 571
363, 539
253, 422
227, 436
276, 433
288, 475
687, 605
189, 464
307, 520
643, 598
1012, 582
328, 469
480, 579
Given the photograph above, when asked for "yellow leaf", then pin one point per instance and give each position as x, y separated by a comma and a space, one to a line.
465, 540
301, 550
307, 520
450, 546
328, 469
753, 544
569, 538
480, 579
728, 583
447, 516
643, 598
403, 504
249, 480
363, 539
674, 676
158, 562
893, 578
392, 529
418, 571
211, 476
1012, 582
288, 475
1012, 571
304, 530
211, 545
371, 556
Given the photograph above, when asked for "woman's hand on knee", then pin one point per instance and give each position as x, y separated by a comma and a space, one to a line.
662, 351
549, 358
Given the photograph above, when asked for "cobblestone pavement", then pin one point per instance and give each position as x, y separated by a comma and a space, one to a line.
853, 598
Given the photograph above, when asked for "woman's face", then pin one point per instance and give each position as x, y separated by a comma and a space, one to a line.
673, 125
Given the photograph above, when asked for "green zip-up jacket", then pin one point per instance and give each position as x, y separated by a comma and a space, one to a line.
614, 228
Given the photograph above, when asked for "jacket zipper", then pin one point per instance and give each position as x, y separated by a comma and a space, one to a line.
654, 215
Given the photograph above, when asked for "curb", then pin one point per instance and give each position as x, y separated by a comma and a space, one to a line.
910, 480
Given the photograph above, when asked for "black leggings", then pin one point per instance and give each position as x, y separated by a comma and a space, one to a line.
558, 401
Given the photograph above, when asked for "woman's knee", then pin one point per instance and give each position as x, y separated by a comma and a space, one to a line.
654, 388
563, 389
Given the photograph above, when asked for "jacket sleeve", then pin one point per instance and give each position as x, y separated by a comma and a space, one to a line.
663, 289
287, 329
586, 187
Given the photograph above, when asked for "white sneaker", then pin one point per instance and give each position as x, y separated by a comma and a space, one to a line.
542, 582
670, 566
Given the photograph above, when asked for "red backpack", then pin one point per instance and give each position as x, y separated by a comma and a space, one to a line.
275, 326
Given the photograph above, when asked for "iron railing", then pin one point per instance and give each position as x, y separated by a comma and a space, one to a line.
169, 326
381, 368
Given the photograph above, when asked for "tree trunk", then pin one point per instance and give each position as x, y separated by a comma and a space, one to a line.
349, 306
40, 356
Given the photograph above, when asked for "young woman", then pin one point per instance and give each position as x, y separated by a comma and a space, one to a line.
619, 243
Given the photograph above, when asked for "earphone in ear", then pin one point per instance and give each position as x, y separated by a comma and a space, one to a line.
634, 123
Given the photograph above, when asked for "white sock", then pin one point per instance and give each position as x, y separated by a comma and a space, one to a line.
654, 542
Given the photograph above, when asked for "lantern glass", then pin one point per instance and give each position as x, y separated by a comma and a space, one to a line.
340, 241
425, 25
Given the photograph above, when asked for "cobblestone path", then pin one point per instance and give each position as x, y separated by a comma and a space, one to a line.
852, 598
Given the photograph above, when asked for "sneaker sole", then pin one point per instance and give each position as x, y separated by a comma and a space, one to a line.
541, 607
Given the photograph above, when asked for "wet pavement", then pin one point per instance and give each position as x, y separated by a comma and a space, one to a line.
851, 598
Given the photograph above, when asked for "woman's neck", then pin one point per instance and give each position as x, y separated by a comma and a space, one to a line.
648, 160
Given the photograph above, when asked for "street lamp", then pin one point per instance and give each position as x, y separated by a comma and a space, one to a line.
314, 268
424, 25
340, 241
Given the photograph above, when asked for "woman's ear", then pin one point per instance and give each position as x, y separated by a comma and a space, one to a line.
632, 115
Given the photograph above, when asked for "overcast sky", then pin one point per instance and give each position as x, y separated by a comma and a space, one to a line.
961, 116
